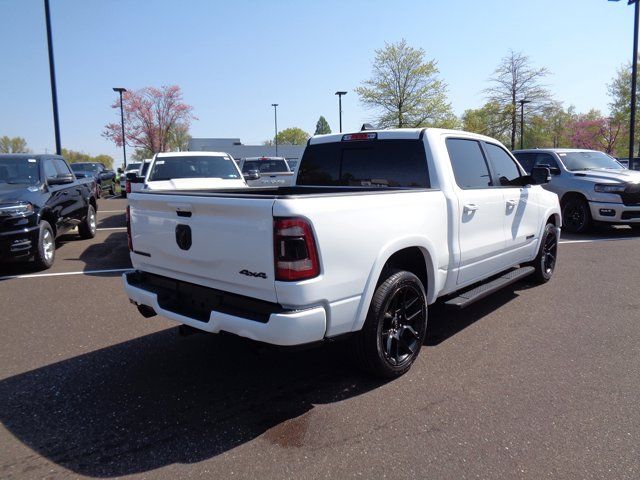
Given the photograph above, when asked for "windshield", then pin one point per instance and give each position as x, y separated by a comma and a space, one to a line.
132, 166
265, 166
19, 170
588, 161
169, 168
85, 167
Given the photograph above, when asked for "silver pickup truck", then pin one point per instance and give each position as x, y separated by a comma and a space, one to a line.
592, 186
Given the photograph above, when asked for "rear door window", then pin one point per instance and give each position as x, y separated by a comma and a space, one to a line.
372, 163
469, 165
526, 160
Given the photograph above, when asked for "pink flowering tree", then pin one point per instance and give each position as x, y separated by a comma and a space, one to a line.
152, 116
595, 133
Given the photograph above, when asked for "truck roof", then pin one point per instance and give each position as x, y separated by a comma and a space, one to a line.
557, 150
192, 154
397, 133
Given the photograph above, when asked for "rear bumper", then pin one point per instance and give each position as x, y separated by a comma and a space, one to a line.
283, 327
614, 213
18, 244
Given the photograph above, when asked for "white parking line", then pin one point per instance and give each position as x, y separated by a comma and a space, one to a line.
111, 228
111, 211
87, 272
596, 240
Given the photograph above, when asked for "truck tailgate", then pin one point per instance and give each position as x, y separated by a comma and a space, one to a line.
231, 241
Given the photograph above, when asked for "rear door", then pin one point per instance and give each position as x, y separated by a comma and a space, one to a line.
57, 197
219, 242
481, 212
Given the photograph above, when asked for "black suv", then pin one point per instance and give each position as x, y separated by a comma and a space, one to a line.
40, 199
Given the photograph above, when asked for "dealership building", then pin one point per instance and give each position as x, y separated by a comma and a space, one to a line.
235, 148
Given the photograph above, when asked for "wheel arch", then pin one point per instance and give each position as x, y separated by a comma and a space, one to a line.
414, 254
569, 195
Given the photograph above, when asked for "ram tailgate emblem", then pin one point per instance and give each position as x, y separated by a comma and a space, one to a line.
253, 274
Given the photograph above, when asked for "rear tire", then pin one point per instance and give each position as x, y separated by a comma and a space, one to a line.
395, 327
87, 229
576, 215
46, 251
545, 261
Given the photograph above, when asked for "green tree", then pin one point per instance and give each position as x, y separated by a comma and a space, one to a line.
13, 145
140, 154
322, 126
73, 156
292, 136
620, 105
516, 79
179, 138
492, 119
405, 90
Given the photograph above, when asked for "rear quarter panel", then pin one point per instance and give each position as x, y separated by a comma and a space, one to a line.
355, 236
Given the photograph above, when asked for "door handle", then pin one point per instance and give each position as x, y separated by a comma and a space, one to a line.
512, 203
470, 207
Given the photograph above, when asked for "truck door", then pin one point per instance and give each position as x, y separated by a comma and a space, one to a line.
521, 209
480, 212
74, 207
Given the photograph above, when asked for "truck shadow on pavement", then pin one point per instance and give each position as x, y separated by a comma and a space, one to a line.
158, 399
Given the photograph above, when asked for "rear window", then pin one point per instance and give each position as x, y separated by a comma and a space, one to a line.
168, 168
265, 166
374, 163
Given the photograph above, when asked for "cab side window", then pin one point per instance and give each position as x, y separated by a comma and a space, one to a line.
469, 165
50, 169
526, 160
506, 169
546, 160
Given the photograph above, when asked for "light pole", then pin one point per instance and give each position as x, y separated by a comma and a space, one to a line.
522, 102
120, 90
52, 74
275, 117
340, 94
634, 75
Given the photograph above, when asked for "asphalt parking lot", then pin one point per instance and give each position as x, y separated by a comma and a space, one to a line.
533, 382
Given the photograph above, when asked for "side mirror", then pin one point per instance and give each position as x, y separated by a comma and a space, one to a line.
60, 180
553, 170
540, 175
133, 177
252, 175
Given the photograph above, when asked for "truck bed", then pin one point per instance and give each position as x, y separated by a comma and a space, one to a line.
284, 192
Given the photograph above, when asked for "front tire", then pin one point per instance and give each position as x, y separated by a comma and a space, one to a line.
46, 252
576, 216
87, 229
545, 261
395, 327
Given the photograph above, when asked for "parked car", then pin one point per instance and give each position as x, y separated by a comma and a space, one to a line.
40, 199
593, 187
266, 171
131, 167
188, 171
105, 179
134, 179
378, 226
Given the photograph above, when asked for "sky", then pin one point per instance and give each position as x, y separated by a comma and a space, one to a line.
233, 59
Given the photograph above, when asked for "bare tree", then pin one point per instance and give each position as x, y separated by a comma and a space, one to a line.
516, 79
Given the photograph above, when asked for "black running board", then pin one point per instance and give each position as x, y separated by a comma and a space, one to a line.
470, 296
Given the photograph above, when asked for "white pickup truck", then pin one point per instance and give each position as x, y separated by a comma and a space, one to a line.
378, 225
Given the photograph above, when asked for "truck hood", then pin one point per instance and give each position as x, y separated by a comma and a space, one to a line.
195, 184
18, 193
609, 175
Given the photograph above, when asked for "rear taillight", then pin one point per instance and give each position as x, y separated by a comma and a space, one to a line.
128, 222
127, 186
295, 253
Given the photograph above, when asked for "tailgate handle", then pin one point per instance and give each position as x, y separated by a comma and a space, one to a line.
182, 209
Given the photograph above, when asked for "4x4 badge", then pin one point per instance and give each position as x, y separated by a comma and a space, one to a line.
253, 274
